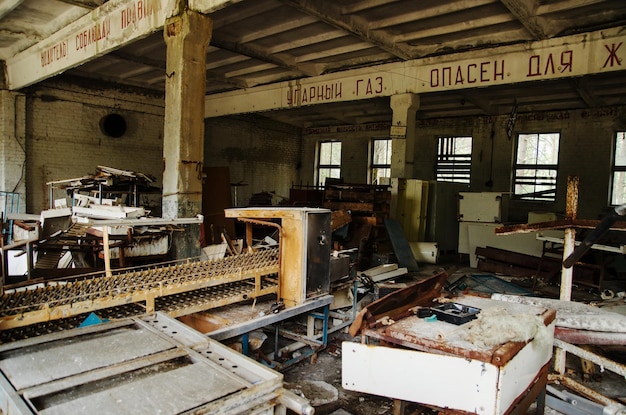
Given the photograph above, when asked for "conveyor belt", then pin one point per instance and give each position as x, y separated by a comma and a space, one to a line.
214, 283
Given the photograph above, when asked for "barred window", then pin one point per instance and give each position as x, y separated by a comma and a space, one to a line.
618, 179
380, 163
329, 162
454, 159
536, 166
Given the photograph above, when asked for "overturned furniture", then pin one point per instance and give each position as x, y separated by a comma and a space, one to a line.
451, 365
147, 365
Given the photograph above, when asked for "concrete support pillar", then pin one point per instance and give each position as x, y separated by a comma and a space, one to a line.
404, 108
13, 149
187, 37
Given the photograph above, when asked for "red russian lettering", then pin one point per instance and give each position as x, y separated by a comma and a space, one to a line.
533, 66
434, 78
449, 76
483, 72
379, 80
459, 76
549, 65
567, 58
498, 74
612, 59
471, 79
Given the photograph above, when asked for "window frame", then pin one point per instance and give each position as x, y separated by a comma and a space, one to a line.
374, 166
321, 179
517, 179
450, 166
617, 169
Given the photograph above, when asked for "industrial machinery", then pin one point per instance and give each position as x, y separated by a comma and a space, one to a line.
145, 347
305, 245
295, 270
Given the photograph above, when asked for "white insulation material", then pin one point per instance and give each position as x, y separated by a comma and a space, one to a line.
574, 315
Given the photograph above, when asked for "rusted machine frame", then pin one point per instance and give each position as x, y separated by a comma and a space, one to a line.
401, 304
53, 302
249, 222
569, 226
293, 243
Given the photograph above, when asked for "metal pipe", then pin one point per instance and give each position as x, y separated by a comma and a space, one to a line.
605, 363
593, 236
296, 403
584, 390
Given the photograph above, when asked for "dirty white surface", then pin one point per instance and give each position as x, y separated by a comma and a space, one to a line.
575, 315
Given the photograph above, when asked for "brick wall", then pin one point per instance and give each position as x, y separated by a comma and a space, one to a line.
64, 139
12, 152
263, 154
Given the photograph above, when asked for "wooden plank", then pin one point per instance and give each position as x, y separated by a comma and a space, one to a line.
397, 304
401, 246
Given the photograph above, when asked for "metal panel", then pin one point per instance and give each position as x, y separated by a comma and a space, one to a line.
142, 366
445, 381
480, 206
67, 357
319, 241
171, 392
441, 366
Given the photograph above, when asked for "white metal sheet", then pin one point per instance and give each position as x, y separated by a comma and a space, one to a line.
434, 379
170, 392
520, 371
143, 366
66, 357
480, 206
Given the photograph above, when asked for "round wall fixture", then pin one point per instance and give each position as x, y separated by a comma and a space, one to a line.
113, 125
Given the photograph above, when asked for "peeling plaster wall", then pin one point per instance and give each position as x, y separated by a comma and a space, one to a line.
64, 140
262, 154
355, 141
12, 153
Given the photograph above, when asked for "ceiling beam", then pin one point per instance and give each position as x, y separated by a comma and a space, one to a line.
364, 5
427, 13
86, 4
525, 11
473, 98
96, 33
292, 24
583, 89
7, 6
354, 25
160, 66
461, 26
281, 60
552, 59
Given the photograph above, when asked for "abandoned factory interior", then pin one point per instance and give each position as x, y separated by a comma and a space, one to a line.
273, 207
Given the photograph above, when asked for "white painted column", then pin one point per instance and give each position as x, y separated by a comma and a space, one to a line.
404, 108
13, 146
187, 37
